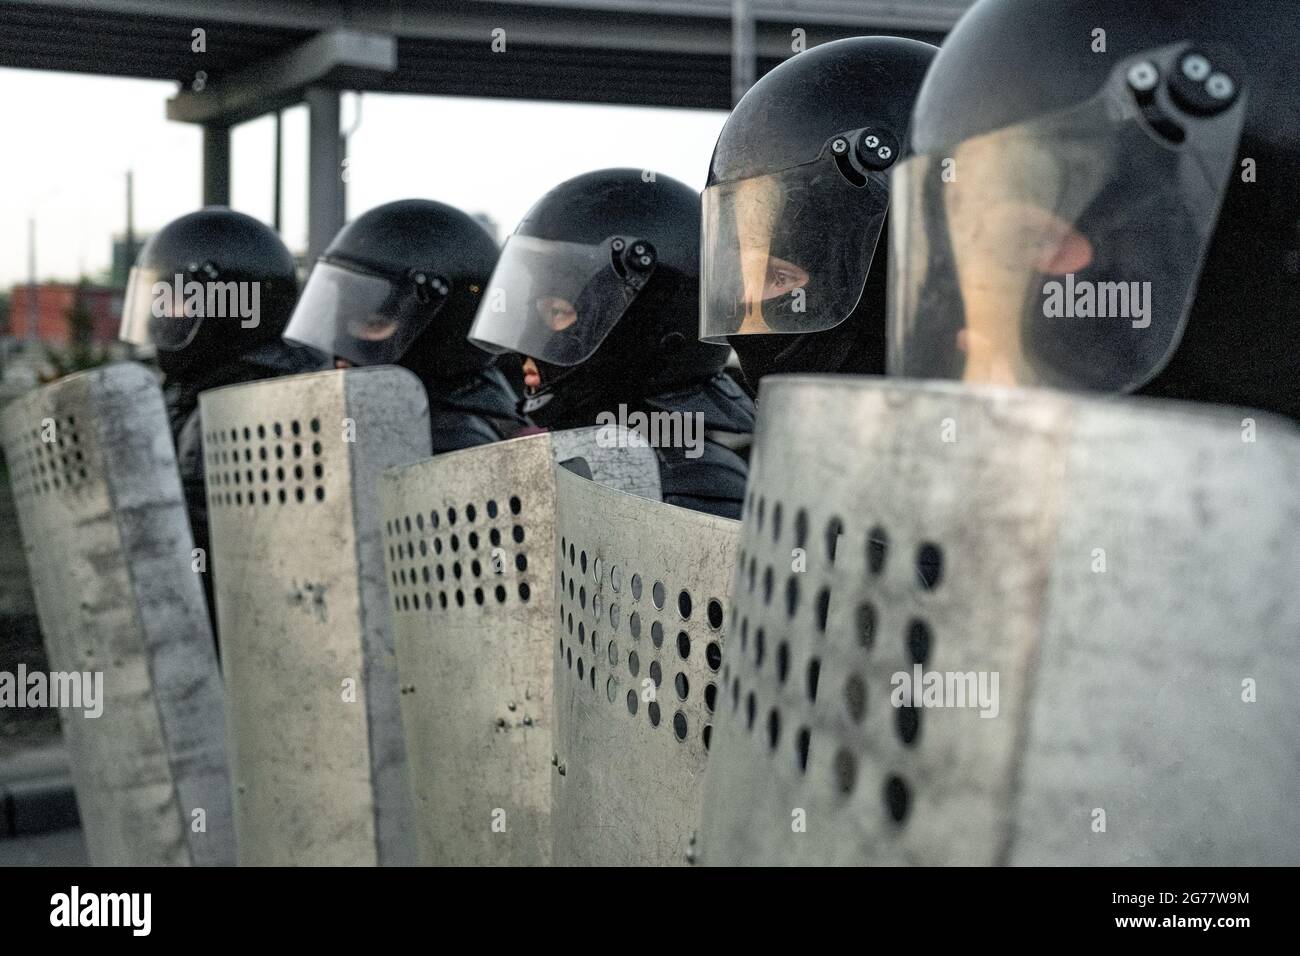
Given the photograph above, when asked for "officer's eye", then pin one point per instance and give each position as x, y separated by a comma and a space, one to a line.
782, 279
557, 312
373, 328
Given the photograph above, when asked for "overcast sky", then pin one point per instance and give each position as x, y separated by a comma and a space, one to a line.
71, 137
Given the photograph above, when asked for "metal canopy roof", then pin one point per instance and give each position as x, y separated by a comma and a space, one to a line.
642, 52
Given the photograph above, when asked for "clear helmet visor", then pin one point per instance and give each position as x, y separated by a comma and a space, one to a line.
557, 301
164, 311
364, 318
1064, 251
789, 251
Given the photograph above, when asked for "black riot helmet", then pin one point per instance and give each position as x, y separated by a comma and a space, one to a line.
399, 286
795, 204
1105, 195
208, 287
599, 285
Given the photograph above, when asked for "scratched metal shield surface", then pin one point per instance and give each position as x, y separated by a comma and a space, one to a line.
1126, 568
108, 545
293, 468
638, 634
614, 457
469, 544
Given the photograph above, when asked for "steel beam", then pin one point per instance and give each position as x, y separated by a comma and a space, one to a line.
338, 59
461, 19
663, 26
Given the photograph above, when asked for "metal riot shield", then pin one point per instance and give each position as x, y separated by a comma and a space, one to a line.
469, 541
117, 589
638, 634
292, 470
988, 626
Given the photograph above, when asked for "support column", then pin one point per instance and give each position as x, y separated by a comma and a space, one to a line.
325, 199
216, 165
743, 66
277, 213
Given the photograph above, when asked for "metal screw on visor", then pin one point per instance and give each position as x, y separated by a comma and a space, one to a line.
1143, 77
1221, 86
641, 256
206, 269
840, 146
877, 149
1195, 67
1199, 88
421, 286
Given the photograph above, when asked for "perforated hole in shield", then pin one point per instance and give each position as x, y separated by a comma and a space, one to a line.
459, 558
263, 465
664, 685
825, 619
50, 457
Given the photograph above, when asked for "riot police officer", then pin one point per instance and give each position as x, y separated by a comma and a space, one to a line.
400, 285
598, 291
795, 202
211, 292
1106, 196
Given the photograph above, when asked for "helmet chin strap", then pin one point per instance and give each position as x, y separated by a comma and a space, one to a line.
541, 405
852, 347
562, 401
531, 403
